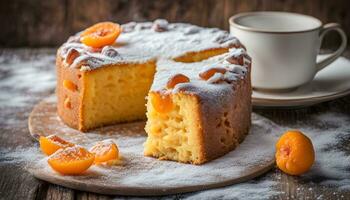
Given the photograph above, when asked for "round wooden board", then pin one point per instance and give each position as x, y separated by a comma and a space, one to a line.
137, 175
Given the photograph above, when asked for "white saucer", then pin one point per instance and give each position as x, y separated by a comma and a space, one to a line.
330, 83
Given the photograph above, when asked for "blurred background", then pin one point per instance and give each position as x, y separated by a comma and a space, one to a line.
48, 23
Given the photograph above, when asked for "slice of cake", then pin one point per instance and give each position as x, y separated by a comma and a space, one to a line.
199, 111
99, 85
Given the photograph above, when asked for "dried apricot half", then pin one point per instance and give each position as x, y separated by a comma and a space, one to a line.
100, 34
176, 79
294, 153
205, 75
71, 161
52, 143
161, 102
105, 151
69, 85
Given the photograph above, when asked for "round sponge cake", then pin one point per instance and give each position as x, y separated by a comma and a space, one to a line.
102, 86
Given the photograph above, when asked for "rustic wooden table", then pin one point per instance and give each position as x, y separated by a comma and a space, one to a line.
27, 75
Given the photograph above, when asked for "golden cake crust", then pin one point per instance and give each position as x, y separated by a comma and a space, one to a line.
70, 116
238, 116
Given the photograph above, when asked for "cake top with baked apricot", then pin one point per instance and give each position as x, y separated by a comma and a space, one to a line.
215, 83
108, 43
209, 77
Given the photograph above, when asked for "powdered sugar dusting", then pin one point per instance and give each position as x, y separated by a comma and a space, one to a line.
102, 147
332, 164
214, 85
263, 188
215, 78
28, 78
21, 155
141, 42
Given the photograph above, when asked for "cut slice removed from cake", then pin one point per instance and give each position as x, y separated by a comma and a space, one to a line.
107, 95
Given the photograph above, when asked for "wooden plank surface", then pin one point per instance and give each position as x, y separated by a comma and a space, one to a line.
17, 183
48, 23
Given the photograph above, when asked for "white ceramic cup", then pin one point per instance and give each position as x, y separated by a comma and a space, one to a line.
283, 47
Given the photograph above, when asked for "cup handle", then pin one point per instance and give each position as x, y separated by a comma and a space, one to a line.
325, 29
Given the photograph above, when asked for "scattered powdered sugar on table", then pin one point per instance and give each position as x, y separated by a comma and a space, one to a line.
332, 166
262, 188
21, 155
25, 79
330, 138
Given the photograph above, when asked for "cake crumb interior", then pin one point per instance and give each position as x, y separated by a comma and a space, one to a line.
172, 135
116, 94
